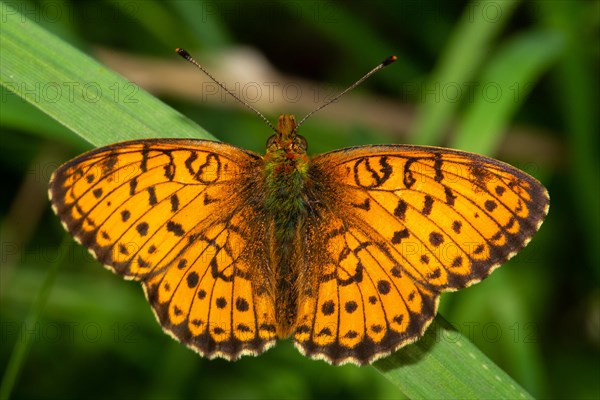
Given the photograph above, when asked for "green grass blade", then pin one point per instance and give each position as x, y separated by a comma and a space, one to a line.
433, 367
351, 33
465, 51
100, 106
445, 364
211, 33
20, 115
505, 83
19, 353
169, 32
578, 96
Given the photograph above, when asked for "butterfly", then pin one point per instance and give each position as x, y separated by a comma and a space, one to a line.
347, 252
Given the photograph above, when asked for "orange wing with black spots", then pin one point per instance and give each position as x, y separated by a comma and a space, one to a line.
402, 225
177, 216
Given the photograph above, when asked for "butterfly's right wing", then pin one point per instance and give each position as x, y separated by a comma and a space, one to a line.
395, 226
180, 216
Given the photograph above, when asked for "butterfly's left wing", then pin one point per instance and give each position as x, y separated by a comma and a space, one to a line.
392, 228
179, 216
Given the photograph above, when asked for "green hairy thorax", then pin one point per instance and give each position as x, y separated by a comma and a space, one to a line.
286, 171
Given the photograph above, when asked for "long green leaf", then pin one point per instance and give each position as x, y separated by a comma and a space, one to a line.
434, 367
504, 85
445, 364
466, 50
19, 353
578, 96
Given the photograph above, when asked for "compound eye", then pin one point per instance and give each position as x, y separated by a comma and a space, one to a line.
271, 140
301, 141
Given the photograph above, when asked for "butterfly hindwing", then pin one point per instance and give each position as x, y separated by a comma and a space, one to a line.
208, 298
362, 306
172, 214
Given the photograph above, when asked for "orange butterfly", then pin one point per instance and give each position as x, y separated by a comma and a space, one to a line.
347, 252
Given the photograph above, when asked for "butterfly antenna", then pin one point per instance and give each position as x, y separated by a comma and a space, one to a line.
189, 58
384, 63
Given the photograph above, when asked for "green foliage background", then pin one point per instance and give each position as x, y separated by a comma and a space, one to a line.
538, 317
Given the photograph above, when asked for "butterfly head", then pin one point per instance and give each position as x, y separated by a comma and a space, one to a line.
286, 150
286, 139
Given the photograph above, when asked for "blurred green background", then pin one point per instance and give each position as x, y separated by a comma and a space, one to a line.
517, 81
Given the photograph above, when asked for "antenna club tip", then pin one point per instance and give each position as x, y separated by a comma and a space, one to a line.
182, 52
389, 60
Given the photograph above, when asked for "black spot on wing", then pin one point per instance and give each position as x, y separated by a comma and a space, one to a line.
152, 196
437, 167
241, 304
428, 205
350, 306
125, 215
399, 235
221, 302
142, 228
436, 238
174, 202
408, 178
175, 228
328, 307
145, 154
383, 287
192, 279
400, 210
132, 186
490, 205
450, 197
365, 205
